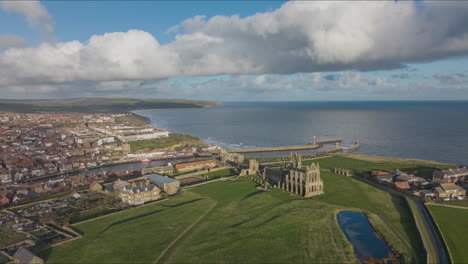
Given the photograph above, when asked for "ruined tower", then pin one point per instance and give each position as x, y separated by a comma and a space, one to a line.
305, 182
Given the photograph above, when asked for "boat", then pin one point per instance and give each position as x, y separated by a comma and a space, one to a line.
145, 160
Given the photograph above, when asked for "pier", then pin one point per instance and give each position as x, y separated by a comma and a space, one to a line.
318, 144
356, 146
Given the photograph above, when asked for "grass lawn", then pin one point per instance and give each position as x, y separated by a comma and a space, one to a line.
174, 140
91, 214
10, 236
132, 119
393, 210
245, 225
4, 259
424, 233
251, 226
421, 168
219, 173
135, 235
452, 224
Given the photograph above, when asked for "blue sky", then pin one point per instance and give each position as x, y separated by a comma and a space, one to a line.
78, 20
262, 32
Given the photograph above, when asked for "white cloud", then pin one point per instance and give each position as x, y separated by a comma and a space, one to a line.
35, 13
315, 36
451, 79
11, 41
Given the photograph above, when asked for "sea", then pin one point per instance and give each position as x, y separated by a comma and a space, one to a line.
407, 129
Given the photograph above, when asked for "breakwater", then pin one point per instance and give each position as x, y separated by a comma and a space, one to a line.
317, 145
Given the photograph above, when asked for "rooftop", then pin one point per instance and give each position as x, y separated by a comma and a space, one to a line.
451, 187
159, 178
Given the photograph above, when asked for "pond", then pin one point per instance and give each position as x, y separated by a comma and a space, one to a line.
368, 246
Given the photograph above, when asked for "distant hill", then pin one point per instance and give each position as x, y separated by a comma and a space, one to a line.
98, 104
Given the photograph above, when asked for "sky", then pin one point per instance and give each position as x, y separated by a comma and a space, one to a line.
235, 50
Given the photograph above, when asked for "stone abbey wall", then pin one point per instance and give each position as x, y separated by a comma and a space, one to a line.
305, 182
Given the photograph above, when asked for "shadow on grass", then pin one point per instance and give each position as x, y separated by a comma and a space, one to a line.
275, 217
260, 212
251, 194
126, 220
123, 221
410, 228
46, 253
181, 204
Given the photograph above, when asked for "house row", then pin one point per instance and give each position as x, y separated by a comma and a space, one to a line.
450, 175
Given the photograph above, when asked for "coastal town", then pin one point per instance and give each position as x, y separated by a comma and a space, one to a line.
56, 171
40, 145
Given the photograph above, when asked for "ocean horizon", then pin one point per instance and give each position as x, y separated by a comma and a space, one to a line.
432, 130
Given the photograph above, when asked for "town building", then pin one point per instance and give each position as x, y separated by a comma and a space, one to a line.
449, 190
426, 194
305, 182
204, 164
387, 178
161, 169
24, 256
146, 134
230, 157
379, 173
135, 191
166, 184
404, 185
95, 187
450, 175
400, 176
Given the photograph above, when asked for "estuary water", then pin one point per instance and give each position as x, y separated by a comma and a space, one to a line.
425, 130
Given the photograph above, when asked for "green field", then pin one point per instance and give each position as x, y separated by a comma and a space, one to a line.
219, 173
174, 140
452, 224
92, 214
422, 168
240, 224
392, 210
135, 235
424, 233
10, 236
132, 119
3, 259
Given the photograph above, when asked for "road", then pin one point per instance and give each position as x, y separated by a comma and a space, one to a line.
434, 235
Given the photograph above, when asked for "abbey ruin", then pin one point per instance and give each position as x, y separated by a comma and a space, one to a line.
292, 177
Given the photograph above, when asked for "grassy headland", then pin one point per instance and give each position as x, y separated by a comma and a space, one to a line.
96, 105
175, 140
231, 221
133, 120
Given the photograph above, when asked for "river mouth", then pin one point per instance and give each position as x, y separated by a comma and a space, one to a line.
369, 246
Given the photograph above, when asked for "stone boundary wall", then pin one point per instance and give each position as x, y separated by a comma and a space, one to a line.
448, 205
209, 181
